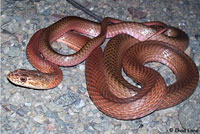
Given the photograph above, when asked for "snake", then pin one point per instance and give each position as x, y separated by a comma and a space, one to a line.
131, 46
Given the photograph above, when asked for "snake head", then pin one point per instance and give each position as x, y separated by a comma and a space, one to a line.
27, 78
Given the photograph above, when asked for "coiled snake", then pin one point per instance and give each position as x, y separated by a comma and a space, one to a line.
131, 46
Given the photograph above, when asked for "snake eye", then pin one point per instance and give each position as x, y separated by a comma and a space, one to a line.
23, 79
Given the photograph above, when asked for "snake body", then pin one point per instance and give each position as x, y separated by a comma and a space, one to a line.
132, 45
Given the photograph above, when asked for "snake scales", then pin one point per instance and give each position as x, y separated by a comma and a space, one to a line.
131, 46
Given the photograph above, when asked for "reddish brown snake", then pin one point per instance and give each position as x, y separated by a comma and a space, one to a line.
134, 45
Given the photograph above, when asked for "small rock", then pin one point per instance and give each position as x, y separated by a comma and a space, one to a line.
155, 131
55, 108
7, 38
22, 111
74, 88
13, 107
6, 50
136, 123
81, 128
7, 127
11, 26
123, 126
71, 112
60, 86
17, 99
40, 118
137, 13
90, 114
146, 119
197, 36
6, 107
83, 88
186, 2
197, 60
51, 1
79, 104
13, 52
50, 127
27, 104
98, 127
51, 114
188, 51
82, 68
19, 4
164, 118
97, 120
36, 0
56, 17
160, 127
19, 38
47, 12
108, 132
142, 131
84, 85
66, 99
27, 131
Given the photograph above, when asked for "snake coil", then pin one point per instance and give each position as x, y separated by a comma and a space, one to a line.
130, 47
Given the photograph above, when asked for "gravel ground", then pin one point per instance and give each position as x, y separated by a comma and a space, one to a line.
68, 108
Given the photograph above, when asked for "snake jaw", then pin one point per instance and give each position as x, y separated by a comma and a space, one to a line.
27, 78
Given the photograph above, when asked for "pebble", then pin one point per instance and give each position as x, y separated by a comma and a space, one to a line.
74, 88
6, 50
56, 17
98, 127
82, 68
66, 99
22, 111
81, 128
19, 4
108, 132
51, 1
161, 128
79, 104
47, 12
11, 26
137, 13
146, 119
53, 107
27, 104
51, 114
197, 60
26, 131
50, 127
188, 51
13, 52
40, 118
83, 88
142, 131
123, 126
16, 99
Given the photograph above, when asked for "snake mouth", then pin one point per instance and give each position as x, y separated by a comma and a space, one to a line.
11, 77
18, 77
18, 85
